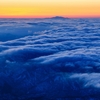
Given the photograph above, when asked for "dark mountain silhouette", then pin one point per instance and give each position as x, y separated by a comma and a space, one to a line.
59, 17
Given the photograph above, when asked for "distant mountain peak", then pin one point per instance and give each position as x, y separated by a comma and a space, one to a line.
58, 17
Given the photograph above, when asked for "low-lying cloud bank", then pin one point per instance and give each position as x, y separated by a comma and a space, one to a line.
61, 61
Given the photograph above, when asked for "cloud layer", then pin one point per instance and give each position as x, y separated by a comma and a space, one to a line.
50, 59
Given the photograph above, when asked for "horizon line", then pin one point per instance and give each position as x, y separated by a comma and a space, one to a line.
41, 17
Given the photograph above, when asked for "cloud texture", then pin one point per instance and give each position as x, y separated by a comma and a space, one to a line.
47, 59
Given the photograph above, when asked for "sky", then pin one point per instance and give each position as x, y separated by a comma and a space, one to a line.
49, 8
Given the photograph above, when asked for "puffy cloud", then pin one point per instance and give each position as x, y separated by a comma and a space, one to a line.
60, 59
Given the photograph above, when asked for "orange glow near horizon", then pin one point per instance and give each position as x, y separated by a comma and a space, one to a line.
49, 8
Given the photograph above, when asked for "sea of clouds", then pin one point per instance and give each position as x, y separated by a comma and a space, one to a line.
49, 59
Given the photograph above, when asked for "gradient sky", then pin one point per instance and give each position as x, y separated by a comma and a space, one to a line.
48, 8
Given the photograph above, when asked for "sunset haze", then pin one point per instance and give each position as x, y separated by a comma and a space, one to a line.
49, 8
